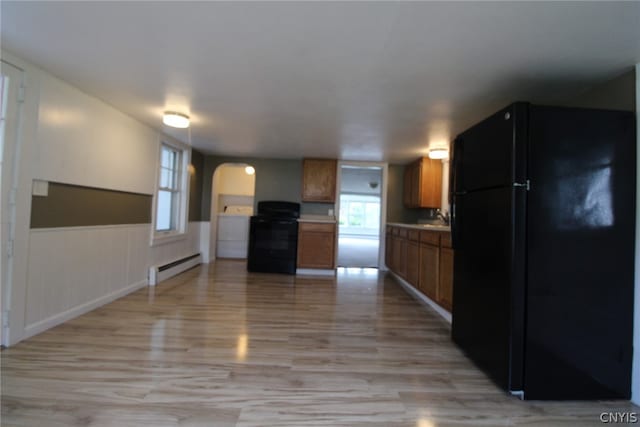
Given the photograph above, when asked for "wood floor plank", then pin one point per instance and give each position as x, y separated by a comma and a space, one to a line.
217, 346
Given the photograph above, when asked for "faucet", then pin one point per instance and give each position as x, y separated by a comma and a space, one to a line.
444, 217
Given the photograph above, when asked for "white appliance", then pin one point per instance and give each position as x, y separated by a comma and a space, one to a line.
233, 232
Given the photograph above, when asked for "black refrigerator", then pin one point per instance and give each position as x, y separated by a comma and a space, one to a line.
543, 228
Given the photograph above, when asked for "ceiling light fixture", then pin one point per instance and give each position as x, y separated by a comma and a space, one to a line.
175, 120
438, 153
249, 170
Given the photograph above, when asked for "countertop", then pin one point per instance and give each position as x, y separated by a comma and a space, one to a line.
431, 227
318, 218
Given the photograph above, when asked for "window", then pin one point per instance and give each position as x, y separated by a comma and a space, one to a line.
170, 199
359, 214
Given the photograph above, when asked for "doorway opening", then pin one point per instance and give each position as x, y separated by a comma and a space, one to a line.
360, 215
232, 204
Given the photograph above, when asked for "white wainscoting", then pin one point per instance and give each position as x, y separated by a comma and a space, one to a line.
73, 270
171, 251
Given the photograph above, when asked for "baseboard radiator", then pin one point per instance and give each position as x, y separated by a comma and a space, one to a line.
158, 273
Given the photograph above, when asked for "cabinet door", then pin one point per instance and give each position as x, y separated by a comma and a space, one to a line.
430, 188
316, 245
429, 264
413, 263
319, 180
445, 289
423, 184
388, 253
416, 185
396, 254
402, 266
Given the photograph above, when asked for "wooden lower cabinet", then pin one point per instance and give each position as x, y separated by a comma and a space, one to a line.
413, 263
445, 282
316, 245
424, 259
399, 256
388, 259
429, 264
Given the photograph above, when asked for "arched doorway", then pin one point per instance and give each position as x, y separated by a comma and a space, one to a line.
232, 202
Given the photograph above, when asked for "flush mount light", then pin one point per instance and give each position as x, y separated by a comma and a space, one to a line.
249, 170
438, 153
175, 120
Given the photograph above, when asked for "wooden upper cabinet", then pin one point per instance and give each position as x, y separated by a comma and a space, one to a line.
319, 180
423, 184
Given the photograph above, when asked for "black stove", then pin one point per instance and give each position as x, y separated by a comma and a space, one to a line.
273, 238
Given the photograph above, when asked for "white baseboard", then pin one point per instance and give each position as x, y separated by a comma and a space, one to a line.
422, 297
79, 310
315, 272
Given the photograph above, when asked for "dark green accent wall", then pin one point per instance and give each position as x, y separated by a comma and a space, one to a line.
73, 206
276, 179
196, 180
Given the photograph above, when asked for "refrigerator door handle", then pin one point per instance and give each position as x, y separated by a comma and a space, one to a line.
454, 219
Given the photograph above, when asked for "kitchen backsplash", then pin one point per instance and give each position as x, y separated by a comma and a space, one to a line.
307, 208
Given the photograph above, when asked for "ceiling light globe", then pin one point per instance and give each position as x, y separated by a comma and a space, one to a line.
438, 153
175, 120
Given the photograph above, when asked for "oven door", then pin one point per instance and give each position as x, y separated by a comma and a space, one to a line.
273, 245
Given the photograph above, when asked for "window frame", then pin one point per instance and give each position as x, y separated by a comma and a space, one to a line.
180, 191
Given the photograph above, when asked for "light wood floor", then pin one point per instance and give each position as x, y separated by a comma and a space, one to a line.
219, 347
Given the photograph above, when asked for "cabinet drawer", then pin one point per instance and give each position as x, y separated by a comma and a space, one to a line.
316, 226
402, 232
414, 235
445, 240
430, 237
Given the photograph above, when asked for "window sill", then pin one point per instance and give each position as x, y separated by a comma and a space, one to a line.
163, 239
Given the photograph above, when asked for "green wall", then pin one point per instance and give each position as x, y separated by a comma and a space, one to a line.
69, 205
396, 212
276, 179
618, 93
281, 179
196, 180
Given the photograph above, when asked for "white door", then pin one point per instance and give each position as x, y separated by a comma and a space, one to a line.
11, 93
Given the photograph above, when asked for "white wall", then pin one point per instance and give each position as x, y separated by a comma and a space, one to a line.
635, 381
74, 138
234, 180
80, 139
444, 205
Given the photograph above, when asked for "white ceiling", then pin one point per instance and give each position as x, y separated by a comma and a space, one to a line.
358, 81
